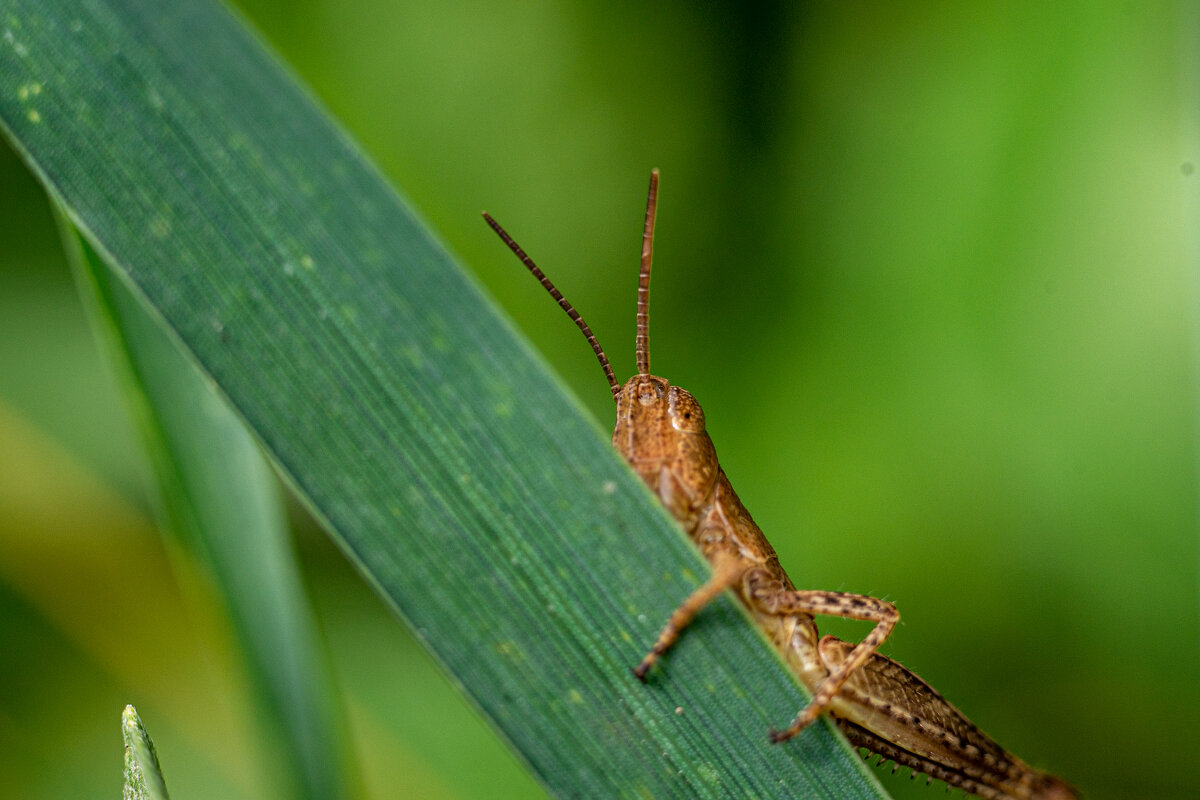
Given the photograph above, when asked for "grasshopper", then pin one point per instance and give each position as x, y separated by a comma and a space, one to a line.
877, 703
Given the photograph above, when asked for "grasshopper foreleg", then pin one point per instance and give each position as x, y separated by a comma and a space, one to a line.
726, 573
769, 598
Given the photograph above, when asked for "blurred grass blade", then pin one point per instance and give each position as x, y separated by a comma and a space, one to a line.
449, 465
218, 496
143, 775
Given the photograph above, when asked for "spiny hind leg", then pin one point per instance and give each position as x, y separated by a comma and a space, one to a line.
727, 572
769, 597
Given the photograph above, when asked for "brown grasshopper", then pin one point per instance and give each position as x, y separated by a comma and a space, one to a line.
878, 704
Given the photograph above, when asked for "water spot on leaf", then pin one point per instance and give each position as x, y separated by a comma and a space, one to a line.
509, 650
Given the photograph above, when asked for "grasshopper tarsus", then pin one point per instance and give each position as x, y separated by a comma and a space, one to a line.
808, 715
777, 737
877, 703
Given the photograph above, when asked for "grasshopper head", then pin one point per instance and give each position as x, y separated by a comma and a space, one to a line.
651, 413
660, 427
660, 431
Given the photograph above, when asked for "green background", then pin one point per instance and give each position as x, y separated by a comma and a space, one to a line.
932, 272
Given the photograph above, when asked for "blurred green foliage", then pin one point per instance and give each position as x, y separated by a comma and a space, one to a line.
932, 270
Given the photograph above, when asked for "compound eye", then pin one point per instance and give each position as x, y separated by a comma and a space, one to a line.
686, 414
650, 391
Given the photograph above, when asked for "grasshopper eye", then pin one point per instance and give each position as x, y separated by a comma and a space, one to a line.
650, 391
686, 414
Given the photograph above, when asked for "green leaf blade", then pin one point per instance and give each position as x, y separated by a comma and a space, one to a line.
143, 774
218, 497
469, 489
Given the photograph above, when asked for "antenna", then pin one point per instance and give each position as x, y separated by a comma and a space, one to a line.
562, 301
642, 346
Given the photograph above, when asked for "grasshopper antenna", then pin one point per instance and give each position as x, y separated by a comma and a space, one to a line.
562, 301
642, 347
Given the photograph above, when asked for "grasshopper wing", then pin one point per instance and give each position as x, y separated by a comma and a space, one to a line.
888, 710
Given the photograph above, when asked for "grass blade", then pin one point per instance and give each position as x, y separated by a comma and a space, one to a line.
143, 775
217, 495
452, 469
